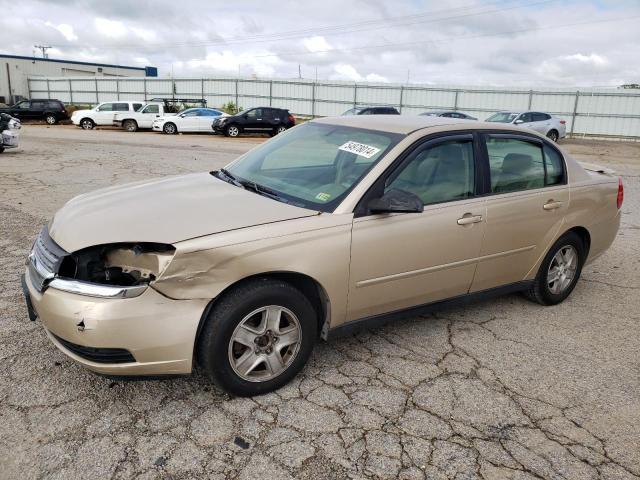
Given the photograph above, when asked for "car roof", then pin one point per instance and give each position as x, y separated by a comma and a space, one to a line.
406, 124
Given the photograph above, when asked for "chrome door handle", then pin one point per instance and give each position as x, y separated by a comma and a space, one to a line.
552, 205
468, 219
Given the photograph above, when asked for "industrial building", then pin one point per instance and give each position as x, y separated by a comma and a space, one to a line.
15, 70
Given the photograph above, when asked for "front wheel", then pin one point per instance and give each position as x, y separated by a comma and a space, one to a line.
87, 124
50, 119
232, 131
553, 135
257, 337
559, 272
170, 128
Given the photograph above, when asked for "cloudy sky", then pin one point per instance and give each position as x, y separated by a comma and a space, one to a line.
465, 42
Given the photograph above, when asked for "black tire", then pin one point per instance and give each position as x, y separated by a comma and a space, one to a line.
213, 347
170, 128
278, 130
540, 292
553, 135
51, 119
1, 149
130, 125
87, 124
232, 130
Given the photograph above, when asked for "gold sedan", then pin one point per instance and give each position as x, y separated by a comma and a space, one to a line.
332, 225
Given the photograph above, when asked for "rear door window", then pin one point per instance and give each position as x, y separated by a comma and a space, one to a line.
554, 166
120, 107
37, 105
515, 164
540, 117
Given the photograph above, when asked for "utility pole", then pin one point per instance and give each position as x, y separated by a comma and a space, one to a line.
44, 49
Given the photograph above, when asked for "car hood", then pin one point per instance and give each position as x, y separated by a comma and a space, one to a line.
166, 210
80, 112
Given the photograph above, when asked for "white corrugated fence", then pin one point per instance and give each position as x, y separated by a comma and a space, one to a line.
604, 112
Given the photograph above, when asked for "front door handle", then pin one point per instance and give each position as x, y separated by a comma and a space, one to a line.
552, 205
468, 219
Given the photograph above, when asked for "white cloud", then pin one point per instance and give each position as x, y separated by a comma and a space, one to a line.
144, 33
346, 72
316, 44
374, 77
65, 29
593, 59
110, 28
246, 63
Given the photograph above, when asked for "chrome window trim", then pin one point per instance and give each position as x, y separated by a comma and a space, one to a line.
95, 290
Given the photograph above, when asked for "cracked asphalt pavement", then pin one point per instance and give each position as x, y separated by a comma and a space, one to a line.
501, 389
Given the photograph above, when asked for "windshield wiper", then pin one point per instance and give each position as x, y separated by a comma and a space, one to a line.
229, 177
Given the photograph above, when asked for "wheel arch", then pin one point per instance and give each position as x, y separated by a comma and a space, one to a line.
584, 235
309, 286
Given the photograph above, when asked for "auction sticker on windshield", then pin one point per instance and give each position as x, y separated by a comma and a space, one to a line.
366, 151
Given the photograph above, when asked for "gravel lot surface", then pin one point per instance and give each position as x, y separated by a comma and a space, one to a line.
498, 389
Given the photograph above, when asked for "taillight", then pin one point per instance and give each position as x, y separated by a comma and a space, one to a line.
562, 122
292, 119
620, 193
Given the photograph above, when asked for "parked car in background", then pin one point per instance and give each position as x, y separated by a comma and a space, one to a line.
448, 114
548, 125
372, 111
255, 120
154, 109
51, 111
102, 114
190, 120
341, 223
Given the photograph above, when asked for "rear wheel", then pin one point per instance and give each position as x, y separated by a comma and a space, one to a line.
1, 149
170, 128
130, 125
559, 272
279, 129
257, 337
232, 131
87, 124
553, 135
51, 119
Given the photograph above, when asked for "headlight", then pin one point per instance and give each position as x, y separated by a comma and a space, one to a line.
222, 120
113, 271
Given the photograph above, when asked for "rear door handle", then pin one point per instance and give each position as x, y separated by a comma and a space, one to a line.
468, 219
552, 205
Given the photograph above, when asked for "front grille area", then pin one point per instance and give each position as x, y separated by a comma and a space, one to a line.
45, 259
98, 355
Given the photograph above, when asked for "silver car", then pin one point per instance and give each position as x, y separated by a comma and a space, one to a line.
553, 127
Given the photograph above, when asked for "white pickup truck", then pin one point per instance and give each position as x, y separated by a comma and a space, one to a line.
155, 108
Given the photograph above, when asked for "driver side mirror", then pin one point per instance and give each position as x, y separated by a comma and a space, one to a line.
396, 201
518, 122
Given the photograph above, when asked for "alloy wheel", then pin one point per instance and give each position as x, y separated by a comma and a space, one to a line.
562, 269
233, 131
281, 129
265, 343
51, 120
86, 124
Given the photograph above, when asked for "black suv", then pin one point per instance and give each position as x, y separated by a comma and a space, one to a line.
255, 120
52, 111
372, 111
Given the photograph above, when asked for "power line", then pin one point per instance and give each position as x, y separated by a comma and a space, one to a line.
444, 40
44, 49
340, 29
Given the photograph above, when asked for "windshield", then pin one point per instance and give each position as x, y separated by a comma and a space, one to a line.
353, 111
314, 165
502, 117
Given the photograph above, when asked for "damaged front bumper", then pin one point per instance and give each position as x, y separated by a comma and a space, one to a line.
157, 332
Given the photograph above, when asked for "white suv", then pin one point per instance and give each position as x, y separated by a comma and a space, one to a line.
102, 114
